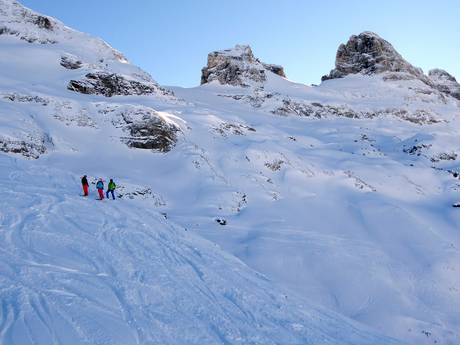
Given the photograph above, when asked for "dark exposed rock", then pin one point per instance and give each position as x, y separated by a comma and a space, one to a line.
317, 110
445, 82
144, 128
7, 31
277, 69
256, 99
14, 97
417, 150
444, 156
368, 54
70, 62
221, 221
22, 147
233, 128
152, 134
275, 165
237, 67
111, 84
30, 39
25, 24
42, 22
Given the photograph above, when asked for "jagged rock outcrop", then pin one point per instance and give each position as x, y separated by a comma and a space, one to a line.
22, 147
318, 110
70, 62
368, 53
32, 27
237, 67
152, 134
146, 129
277, 69
445, 82
112, 84
22, 22
143, 127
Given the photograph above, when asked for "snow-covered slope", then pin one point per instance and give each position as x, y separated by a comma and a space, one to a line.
248, 206
75, 271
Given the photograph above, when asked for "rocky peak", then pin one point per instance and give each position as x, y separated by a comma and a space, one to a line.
368, 53
237, 67
441, 75
444, 82
17, 20
32, 27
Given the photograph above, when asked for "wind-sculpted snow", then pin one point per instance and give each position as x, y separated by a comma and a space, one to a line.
80, 271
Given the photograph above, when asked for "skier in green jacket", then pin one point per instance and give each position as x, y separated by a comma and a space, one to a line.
111, 189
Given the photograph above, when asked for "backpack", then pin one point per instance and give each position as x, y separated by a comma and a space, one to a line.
100, 185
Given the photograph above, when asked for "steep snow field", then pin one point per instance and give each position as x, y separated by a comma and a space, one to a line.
337, 211
246, 229
79, 271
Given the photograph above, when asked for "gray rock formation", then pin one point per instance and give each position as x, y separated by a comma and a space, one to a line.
111, 84
368, 54
70, 62
42, 22
14, 14
152, 134
142, 127
445, 82
237, 67
32, 147
317, 110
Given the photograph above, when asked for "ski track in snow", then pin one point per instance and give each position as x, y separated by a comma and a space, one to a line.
83, 271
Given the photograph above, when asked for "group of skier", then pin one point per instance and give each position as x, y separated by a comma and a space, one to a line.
100, 188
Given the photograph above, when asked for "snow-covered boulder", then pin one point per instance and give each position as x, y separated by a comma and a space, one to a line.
445, 82
368, 53
237, 67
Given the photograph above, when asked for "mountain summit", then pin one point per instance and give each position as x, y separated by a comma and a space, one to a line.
368, 53
237, 67
445, 82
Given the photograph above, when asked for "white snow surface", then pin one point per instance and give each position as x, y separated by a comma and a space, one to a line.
337, 230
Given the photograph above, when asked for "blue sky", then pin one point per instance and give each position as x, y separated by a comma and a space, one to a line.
171, 38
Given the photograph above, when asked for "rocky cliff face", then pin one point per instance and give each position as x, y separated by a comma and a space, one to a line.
237, 67
111, 84
88, 66
104, 70
368, 53
445, 82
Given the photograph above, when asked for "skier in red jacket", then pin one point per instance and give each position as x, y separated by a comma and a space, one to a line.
84, 183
